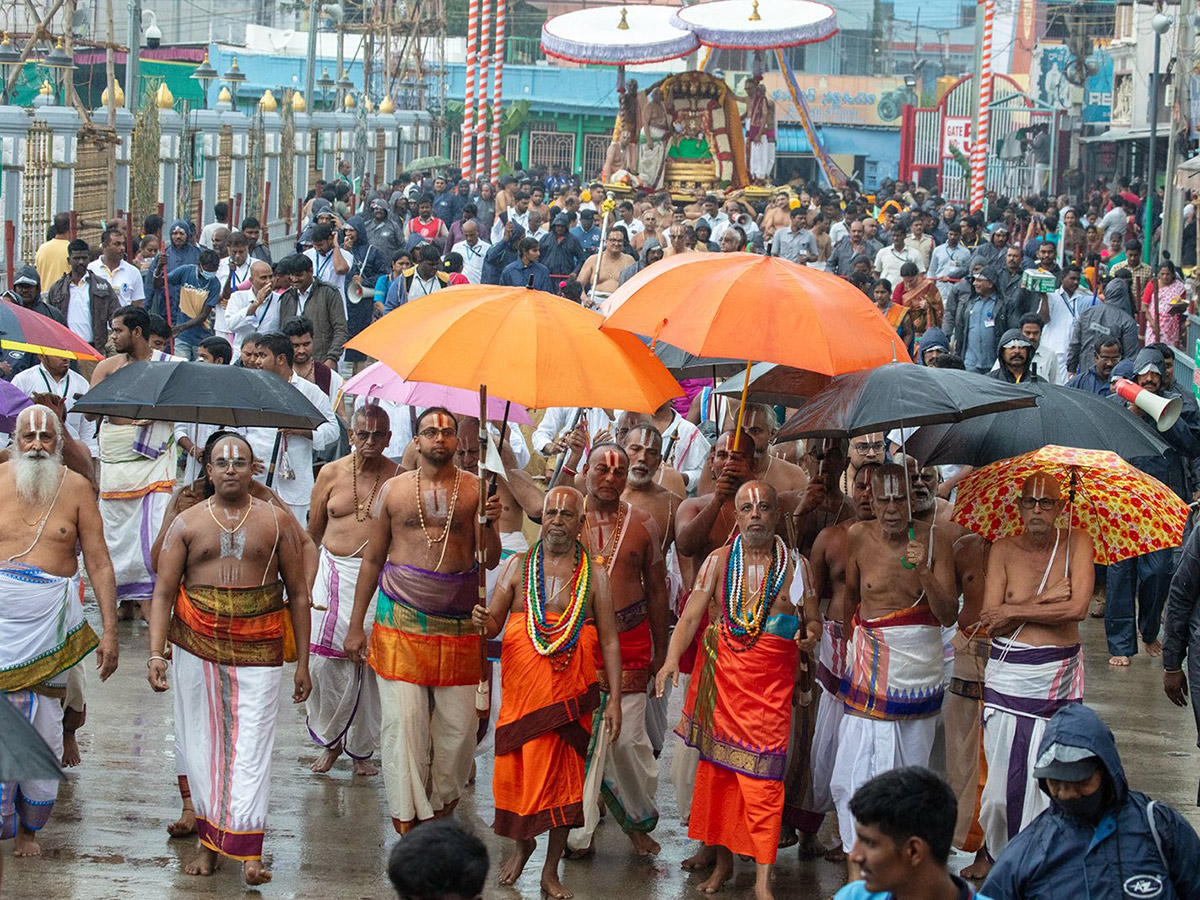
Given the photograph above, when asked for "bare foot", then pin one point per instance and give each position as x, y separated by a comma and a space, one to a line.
205, 863
763, 892
721, 874
364, 767
1098, 610
581, 854
514, 863
26, 844
787, 837
325, 761
811, 847
255, 872
978, 870
700, 860
836, 854
125, 611
71, 755
643, 844
552, 887
1118, 661
1153, 649
185, 825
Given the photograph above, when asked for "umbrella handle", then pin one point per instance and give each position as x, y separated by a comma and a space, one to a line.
912, 536
483, 690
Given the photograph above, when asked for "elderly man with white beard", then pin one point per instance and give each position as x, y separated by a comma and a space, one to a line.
47, 509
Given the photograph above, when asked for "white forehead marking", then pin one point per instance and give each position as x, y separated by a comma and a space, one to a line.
38, 421
891, 487
1040, 487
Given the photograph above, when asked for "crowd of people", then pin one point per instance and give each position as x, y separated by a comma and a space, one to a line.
833, 631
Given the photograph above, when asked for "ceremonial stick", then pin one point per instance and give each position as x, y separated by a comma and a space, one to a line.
737, 431
562, 457
483, 693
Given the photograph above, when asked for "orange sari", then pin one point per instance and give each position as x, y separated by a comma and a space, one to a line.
542, 733
924, 303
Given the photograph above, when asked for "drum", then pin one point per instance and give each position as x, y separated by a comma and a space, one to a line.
1038, 280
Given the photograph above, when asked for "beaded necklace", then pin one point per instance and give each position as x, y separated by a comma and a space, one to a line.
744, 618
556, 641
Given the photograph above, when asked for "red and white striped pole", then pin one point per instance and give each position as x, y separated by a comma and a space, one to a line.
979, 148
467, 160
481, 123
497, 89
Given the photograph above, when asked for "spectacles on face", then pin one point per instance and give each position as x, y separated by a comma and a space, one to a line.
432, 433
866, 447
1043, 503
238, 464
364, 436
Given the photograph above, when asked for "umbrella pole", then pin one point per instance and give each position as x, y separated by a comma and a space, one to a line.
912, 531
483, 692
737, 431
1070, 516
562, 457
274, 457
600, 249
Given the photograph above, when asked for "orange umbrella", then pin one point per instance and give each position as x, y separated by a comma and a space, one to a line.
760, 308
1127, 512
527, 346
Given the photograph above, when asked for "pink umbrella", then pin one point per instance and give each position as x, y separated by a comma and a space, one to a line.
380, 382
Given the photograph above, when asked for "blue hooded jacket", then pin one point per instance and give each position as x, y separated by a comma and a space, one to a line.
934, 337
1058, 856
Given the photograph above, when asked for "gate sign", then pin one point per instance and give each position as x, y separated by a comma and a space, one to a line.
956, 132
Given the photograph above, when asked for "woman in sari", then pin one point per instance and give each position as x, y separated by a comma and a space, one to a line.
896, 314
921, 297
1172, 306
1093, 242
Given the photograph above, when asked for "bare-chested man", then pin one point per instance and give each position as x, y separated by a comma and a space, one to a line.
1039, 584
835, 507
625, 541
829, 581
750, 665
863, 449
233, 555
962, 709
550, 685
900, 592
778, 215
612, 262
343, 709
421, 562
759, 422
48, 511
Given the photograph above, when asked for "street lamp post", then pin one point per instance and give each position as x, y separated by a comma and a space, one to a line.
206, 75
1160, 24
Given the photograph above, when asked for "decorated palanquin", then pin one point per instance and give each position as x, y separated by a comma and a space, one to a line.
708, 149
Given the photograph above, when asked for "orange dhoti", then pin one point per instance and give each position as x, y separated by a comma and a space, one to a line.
542, 733
738, 798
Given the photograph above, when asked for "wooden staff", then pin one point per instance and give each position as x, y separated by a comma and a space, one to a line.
483, 693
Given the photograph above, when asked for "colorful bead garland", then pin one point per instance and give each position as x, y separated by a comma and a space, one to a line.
557, 640
740, 626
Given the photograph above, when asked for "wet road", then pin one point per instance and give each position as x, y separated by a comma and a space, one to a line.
328, 835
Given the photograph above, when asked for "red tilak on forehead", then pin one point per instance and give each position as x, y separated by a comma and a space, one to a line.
612, 458
442, 420
756, 494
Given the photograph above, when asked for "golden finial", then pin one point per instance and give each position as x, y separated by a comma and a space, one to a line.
163, 98
46, 90
386, 105
298, 104
623, 25
367, 104
348, 104
267, 102
224, 96
119, 93
754, 16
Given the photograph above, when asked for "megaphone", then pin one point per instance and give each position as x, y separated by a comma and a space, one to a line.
355, 292
1164, 412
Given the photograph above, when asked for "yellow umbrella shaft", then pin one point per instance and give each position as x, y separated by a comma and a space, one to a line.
737, 431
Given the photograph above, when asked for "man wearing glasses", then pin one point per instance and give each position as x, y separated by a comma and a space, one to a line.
343, 709
866, 449
1039, 584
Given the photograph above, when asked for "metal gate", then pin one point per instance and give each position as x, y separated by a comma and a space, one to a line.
934, 143
37, 207
512, 150
595, 146
552, 148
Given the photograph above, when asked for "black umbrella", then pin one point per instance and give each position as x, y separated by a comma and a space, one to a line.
900, 395
1063, 416
687, 365
23, 753
200, 392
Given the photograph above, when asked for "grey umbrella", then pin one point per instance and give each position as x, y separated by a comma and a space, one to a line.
23, 753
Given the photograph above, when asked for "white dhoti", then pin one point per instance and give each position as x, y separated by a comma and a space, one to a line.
893, 690
831, 709
961, 716
511, 543
225, 719
135, 489
423, 782
1023, 687
343, 708
762, 157
624, 773
29, 802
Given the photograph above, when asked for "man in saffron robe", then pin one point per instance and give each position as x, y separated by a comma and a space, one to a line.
553, 605
768, 610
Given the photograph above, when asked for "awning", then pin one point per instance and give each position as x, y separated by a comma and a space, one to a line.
1125, 134
791, 140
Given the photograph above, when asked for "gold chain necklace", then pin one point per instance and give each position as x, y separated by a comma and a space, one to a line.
449, 515
358, 507
236, 527
607, 553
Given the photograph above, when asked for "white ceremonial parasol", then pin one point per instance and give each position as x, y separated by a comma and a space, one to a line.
758, 24
617, 36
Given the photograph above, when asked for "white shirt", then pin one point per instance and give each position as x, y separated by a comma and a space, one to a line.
323, 270
632, 228
297, 490
38, 380
198, 434
419, 287
126, 280
688, 449
206, 233
1056, 335
837, 231
472, 258
240, 322
241, 275
558, 419
1045, 361
79, 310
889, 261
